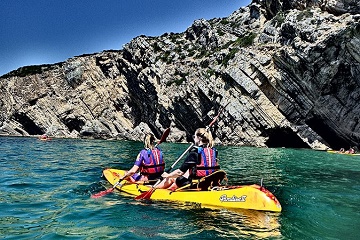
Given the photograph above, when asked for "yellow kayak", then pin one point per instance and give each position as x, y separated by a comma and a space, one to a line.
231, 197
344, 153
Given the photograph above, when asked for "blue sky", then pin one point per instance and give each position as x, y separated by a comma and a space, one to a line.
48, 31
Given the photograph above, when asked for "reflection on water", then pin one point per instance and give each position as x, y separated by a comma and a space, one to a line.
244, 223
224, 223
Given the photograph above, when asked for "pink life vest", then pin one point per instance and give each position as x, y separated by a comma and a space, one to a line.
153, 162
208, 163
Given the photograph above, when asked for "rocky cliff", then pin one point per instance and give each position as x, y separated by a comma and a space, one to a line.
287, 74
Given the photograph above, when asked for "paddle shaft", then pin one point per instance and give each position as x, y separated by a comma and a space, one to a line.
181, 156
216, 117
117, 183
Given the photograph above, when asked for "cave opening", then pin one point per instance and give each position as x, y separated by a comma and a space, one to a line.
74, 124
29, 126
284, 137
332, 138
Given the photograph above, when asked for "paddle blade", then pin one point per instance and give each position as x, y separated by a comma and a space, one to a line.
145, 195
102, 193
164, 136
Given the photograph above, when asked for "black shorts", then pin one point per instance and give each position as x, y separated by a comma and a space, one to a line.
182, 181
155, 176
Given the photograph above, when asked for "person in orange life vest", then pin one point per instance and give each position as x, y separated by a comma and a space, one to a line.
200, 162
149, 163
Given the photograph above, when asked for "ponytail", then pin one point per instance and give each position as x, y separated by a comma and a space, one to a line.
205, 136
149, 140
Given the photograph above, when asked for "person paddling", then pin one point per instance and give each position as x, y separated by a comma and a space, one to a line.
149, 163
200, 162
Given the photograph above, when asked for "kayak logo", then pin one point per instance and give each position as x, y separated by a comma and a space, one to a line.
225, 198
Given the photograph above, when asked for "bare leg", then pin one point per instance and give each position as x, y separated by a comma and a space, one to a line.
165, 183
173, 186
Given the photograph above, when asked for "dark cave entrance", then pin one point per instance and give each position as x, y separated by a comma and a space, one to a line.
334, 139
29, 126
74, 124
284, 137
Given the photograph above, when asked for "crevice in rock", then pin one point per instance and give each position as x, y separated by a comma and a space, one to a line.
164, 115
35, 100
185, 117
88, 108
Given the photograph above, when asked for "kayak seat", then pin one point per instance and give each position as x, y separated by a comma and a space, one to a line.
210, 181
206, 183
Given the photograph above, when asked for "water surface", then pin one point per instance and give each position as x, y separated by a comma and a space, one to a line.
45, 189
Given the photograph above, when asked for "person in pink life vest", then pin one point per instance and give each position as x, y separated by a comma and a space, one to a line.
351, 150
149, 163
200, 162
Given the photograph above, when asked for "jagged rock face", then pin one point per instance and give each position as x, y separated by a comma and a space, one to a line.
273, 7
286, 74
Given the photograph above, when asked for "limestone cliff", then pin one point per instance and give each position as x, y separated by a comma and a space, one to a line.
287, 73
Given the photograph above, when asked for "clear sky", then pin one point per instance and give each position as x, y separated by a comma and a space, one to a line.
37, 32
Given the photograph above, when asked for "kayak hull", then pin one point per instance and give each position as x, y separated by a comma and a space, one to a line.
230, 197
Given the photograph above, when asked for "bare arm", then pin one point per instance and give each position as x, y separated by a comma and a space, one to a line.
131, 171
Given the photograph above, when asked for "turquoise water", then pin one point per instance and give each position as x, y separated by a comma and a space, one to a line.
45, 189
